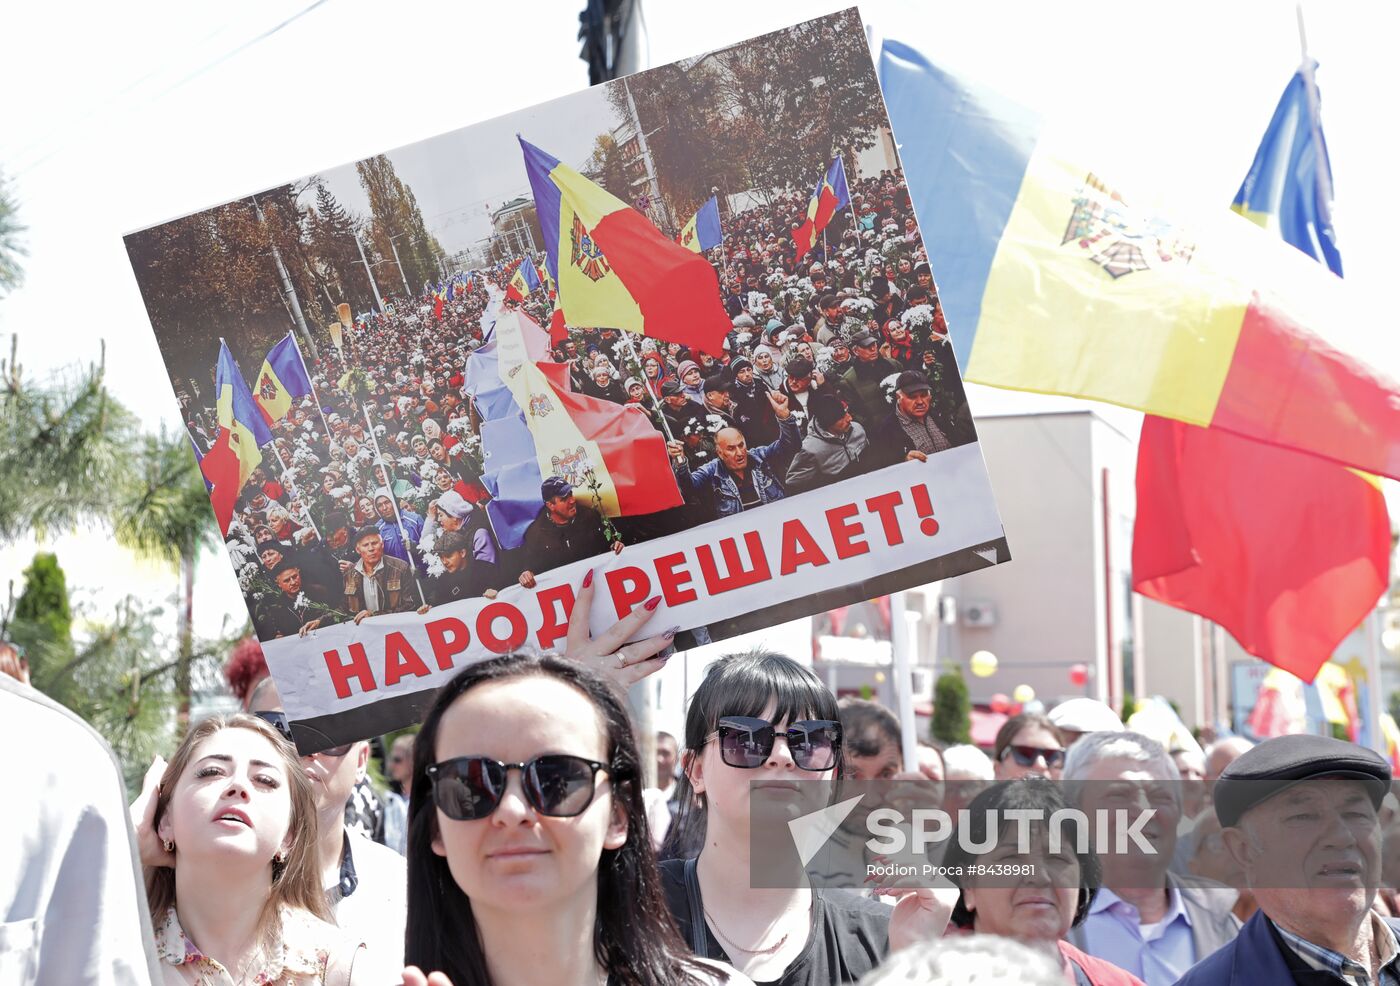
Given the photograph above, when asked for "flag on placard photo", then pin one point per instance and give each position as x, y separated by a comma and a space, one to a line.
703, 233
235, 453
282, 380
831, 194
523, 281
614, 268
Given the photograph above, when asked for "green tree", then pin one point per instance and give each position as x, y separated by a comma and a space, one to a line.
396, 223
607, 167
41, 622
332, 231
63, 448
163, 514
765, 115
11, 247
952, 709
214, 268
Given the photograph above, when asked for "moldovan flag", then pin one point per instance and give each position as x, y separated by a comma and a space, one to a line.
525, 280
831, 194
234, 454
703, 233
1053, 280
615, 269
609, 453
283, 379
1285, 550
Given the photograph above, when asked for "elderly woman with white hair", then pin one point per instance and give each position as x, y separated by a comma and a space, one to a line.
452, 512
1154, 923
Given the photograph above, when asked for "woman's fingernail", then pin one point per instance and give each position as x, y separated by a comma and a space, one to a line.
652, 603
588, 578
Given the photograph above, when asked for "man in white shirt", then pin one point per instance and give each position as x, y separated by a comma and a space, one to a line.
366, 883
72, 907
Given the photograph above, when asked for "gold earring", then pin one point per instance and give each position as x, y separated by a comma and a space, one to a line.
169, 845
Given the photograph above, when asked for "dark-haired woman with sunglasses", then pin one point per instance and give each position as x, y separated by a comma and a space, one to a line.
760, 717
529, 858
1028, 745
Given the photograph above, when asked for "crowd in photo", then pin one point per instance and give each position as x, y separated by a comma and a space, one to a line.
371, 497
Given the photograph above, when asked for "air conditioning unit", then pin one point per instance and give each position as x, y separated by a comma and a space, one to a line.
976, 614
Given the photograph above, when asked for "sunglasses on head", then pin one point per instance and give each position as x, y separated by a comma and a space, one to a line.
555, 784
1026, 756
747, 742
283, 725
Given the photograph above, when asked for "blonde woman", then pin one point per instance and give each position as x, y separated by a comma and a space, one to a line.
233, 885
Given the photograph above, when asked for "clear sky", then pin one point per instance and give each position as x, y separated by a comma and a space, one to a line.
118, 117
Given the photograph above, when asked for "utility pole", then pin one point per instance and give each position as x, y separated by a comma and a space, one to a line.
407, 291
378, 302
652, 183
288, 291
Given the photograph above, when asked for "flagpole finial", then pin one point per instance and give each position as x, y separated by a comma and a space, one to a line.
1302, 35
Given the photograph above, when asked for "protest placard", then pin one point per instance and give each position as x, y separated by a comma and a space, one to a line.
530, 371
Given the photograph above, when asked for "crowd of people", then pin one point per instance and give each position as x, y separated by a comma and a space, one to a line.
522, 843
516, 836
370, 497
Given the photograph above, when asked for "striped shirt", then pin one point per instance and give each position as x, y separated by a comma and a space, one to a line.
1323, 959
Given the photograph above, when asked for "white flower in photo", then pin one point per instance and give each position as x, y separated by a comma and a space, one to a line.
340, 492
918, 315
300, 602
863, 307
887, 385
434, 564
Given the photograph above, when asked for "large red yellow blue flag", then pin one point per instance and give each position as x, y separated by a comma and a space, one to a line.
242, 432
832, 193
523, 281
1055, 281
1285, 550
703, 232
614, 269
282, 380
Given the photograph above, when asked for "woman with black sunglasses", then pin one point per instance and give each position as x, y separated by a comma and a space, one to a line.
529, 858
757, 717
1028, 745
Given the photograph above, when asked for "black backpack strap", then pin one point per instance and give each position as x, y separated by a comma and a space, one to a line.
698, 943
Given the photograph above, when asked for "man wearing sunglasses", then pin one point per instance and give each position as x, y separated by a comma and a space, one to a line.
366, 883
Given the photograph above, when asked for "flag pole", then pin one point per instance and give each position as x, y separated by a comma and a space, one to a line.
1324, 173
311, 380
288, 475
393, 501
851, 202
660, 412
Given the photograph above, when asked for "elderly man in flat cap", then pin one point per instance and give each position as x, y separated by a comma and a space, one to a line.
1299, 815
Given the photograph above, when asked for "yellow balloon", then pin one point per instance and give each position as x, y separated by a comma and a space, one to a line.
983, 663
1023, 694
